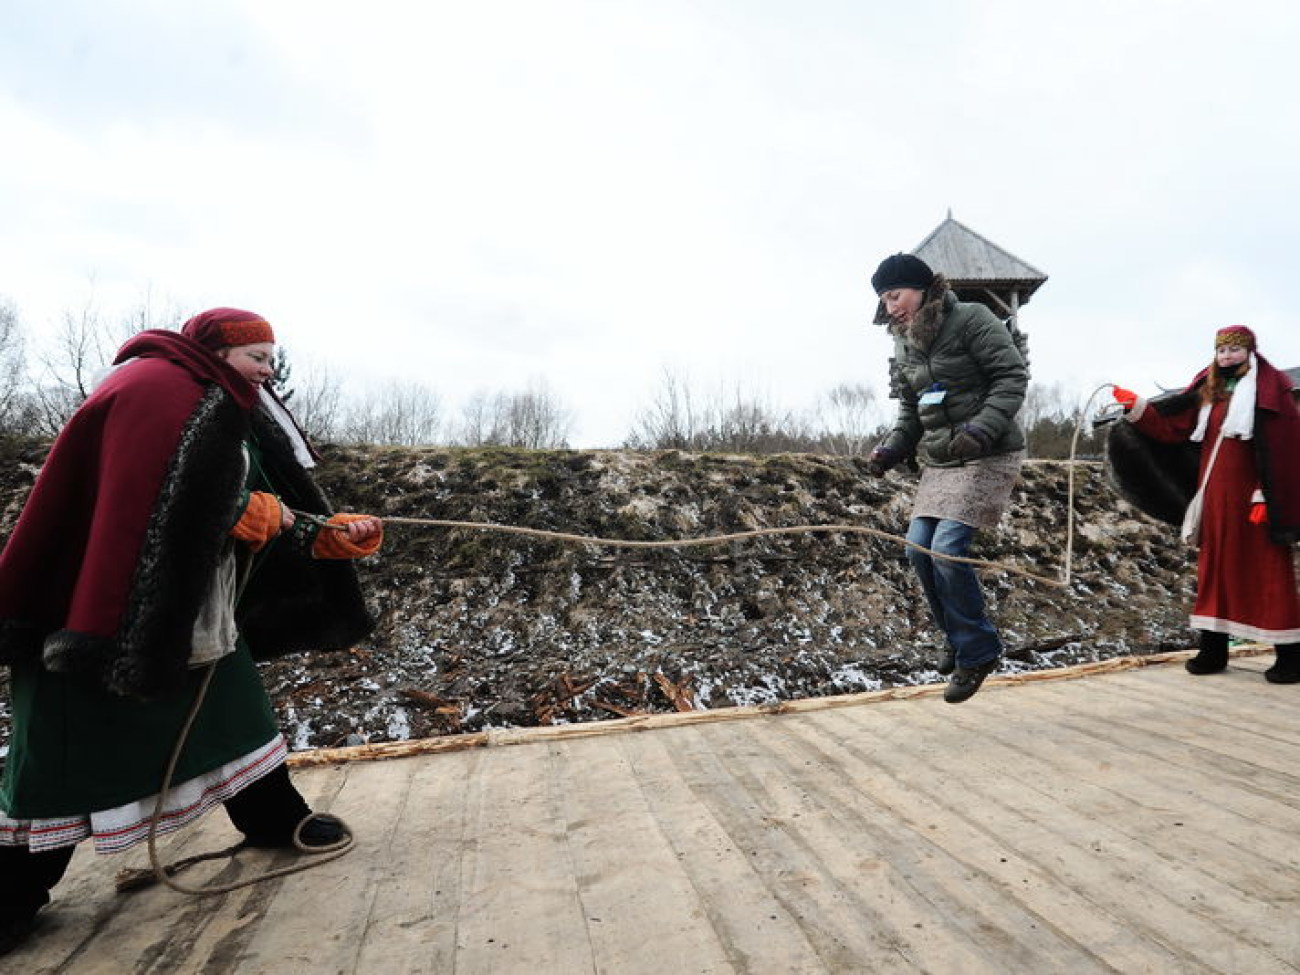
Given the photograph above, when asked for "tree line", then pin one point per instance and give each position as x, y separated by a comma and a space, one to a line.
39, 391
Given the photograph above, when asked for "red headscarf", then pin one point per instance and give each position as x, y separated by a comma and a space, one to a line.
218, 328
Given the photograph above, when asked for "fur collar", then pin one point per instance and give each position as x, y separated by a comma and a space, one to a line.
924, 327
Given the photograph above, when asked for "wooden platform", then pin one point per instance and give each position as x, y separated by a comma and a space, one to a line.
1132, 821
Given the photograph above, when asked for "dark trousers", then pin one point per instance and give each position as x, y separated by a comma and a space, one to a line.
953, 589
266, 812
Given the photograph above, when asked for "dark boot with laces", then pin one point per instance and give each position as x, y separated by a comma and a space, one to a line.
965, 681
1212, 657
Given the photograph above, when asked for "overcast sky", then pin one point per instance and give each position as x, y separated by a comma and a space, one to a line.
488, 194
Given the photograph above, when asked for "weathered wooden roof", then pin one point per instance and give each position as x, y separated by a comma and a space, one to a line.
1133, 820
969, 259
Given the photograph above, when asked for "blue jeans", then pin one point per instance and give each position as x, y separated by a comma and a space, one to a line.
953, 590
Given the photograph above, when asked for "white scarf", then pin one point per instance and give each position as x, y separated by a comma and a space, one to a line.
1240, 421
281, 416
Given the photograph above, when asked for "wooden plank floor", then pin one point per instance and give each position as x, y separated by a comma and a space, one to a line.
1139, 821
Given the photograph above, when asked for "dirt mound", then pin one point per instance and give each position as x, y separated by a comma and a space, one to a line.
478, 629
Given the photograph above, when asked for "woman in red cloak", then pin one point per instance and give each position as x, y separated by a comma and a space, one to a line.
1241, 410
158, 543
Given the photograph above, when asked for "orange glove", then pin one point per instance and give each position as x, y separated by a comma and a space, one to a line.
1124, 397
334, 543
1258, 513
261, 520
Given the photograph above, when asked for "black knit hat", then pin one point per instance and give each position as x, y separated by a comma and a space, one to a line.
902, 271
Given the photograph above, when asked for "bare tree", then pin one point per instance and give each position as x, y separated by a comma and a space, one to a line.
749, 425
476, 422
15, 403
1049, 416
669, 422
81, 350
318, 402
534, 419
150, 313
737, 421
850, 419
407, 414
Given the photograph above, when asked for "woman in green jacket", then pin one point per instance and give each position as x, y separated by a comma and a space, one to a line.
960, 379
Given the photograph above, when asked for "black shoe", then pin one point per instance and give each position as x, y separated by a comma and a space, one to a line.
947, 662
1212, 657
14, 932
1286, 669
1277, 674
321, 830
965, 681
1207, 662
317, 831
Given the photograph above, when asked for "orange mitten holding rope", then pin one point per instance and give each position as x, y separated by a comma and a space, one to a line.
1124, 397
261, 520
334, 542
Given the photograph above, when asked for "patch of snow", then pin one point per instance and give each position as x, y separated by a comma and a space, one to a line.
399, 725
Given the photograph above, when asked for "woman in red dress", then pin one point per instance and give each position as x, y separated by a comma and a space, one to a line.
1242, 411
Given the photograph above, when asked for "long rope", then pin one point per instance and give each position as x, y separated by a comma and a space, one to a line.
705, 540
1069, 502
129, 879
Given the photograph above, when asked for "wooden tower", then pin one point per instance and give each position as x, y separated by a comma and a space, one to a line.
978, 269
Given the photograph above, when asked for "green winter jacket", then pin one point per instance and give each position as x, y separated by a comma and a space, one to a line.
955, 363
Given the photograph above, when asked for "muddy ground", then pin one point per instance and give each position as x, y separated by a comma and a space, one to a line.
479, 629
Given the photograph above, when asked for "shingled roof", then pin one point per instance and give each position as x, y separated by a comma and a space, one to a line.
970, 260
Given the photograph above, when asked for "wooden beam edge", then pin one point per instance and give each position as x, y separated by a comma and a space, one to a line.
498, 737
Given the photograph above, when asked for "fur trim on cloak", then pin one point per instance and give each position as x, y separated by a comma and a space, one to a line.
138, 644
1161, 478
297, 602
1158, 479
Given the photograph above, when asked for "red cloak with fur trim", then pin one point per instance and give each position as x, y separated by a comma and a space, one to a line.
1246, 584
117, 545
1160, 475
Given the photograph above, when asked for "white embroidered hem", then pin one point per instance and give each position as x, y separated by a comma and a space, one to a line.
115, 830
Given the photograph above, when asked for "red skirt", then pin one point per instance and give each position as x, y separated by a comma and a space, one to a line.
1245, 584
